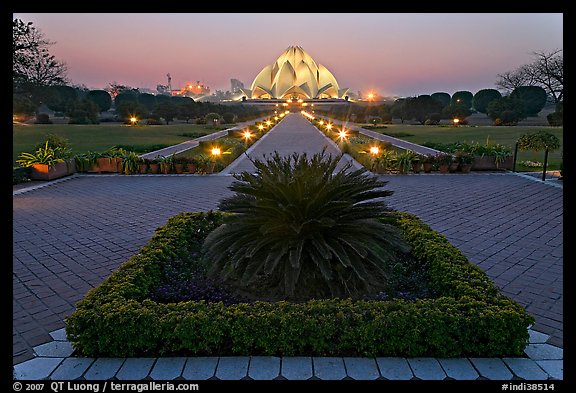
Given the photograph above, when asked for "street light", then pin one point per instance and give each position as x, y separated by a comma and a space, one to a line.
456, 121
133, 120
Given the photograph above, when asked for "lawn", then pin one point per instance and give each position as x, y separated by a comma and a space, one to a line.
100, 137
482, 134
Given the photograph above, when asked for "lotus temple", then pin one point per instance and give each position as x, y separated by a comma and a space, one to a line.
295, 78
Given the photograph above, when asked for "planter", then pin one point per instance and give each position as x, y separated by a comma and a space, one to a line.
488, 163
165, 168
179, 168
427, 166
60, 169
108, 165
143, 168
465, 168
416, 167
444, 168
191, 167
453, 167
154, 168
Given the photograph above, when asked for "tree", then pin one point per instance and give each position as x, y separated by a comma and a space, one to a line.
32, 62
187, 111
148, 101
60, 98
83, 112
399, 109
125, 97
533, 97
101, 98
484, 97
422, 106
167, 110
506, 111
546, 71
458, 110
443, 98
462, 97
539, 140
128, 109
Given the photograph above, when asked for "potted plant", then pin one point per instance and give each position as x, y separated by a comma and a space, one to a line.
166, 164
444, 160
48, 163
464, 160
131, 163
382, 161
428, 162
85, 161
417, 163
205, 164
404, 161
180, 163
110, 160
192, 165
154, 165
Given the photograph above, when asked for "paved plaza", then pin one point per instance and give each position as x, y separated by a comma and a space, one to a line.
70, 234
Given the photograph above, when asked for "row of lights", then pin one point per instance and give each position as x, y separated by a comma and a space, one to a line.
342, 135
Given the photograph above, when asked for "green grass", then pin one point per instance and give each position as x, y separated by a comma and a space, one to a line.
100, 137
502, 135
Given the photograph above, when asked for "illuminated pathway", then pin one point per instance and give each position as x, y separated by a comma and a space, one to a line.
292, 134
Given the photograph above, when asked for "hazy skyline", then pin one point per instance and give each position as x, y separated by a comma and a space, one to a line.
392, 54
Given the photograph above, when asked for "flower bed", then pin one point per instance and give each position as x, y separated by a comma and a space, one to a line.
468, 317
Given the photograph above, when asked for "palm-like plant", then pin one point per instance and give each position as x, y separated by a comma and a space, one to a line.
300, 230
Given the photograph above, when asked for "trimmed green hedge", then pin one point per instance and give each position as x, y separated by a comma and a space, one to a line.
469, 318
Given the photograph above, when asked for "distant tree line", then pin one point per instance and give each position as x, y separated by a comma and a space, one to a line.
39, 78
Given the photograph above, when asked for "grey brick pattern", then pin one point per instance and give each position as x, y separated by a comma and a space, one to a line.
70, 235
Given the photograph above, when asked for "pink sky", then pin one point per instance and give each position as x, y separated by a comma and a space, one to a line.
392, 54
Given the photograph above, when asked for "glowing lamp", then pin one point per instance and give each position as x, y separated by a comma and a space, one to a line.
247, 134
260, 127
456, 121
216, 151
374, 150
328, 126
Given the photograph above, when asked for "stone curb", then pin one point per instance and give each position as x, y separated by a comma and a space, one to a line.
55, 361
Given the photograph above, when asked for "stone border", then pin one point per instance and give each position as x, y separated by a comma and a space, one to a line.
55, 361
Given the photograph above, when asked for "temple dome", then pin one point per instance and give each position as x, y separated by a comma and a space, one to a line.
294, 75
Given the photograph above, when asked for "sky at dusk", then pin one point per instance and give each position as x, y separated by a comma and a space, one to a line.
393, 54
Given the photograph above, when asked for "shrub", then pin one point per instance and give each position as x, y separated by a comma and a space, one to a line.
555, 119
282, 239
154, 122
42, 118
468, 317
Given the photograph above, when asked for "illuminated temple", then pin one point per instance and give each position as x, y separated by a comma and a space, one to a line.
295, 75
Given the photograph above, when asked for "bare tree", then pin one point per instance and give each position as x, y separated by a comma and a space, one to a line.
32, 61
547, 71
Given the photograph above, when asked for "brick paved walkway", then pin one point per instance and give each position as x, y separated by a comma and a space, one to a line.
71, 234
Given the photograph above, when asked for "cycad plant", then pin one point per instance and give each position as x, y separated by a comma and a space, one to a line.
300, 230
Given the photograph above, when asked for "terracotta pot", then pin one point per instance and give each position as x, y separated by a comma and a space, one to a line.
143, 168
154, 168
165, 168
191, 167
179, 168
416, 167
466, 168
444, 168
427, 167
453, 167
44, 172
111, 165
